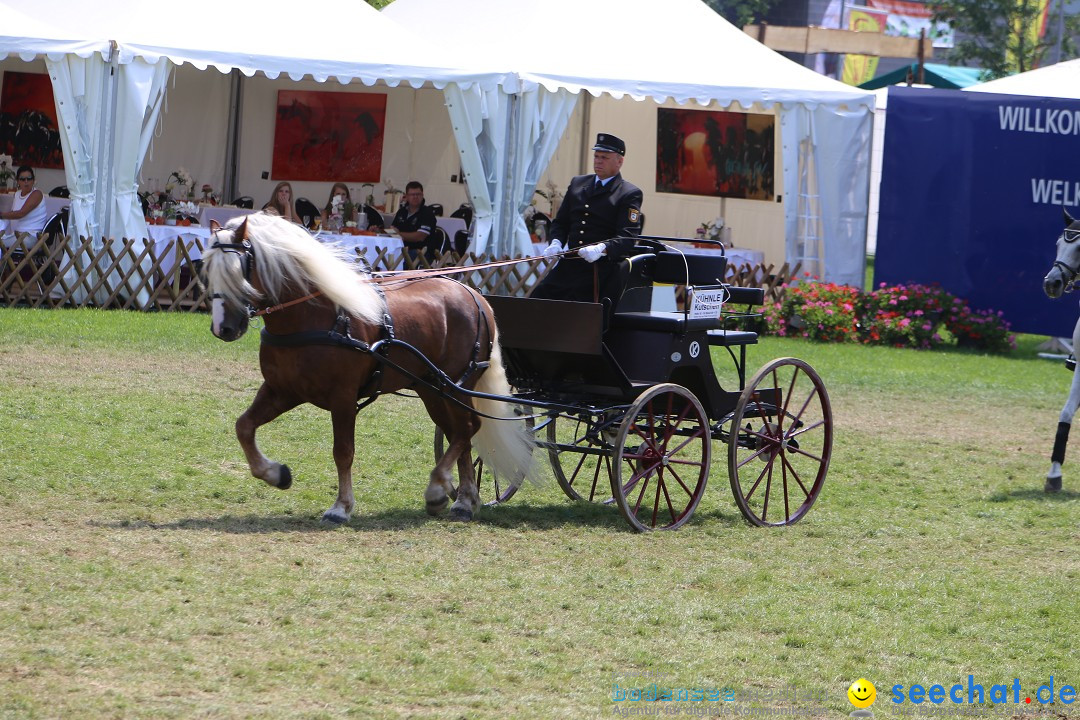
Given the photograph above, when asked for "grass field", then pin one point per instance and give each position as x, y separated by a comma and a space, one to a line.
145, 574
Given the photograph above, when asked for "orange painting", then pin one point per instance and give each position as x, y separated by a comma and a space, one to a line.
717, 153
329, 136
29, 132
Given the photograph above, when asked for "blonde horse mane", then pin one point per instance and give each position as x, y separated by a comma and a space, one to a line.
286, 253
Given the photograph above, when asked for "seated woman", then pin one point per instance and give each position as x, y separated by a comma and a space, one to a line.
374, 218
340, 190
28, 213
281, 203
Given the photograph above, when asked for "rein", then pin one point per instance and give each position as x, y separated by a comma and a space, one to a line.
394, 276
1069, 272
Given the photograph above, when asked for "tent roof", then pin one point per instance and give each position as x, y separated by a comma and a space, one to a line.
679, 49
935, 74
349, 41
1061, 80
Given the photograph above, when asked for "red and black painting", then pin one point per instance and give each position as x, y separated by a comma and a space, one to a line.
329, 136
710, 152
29, 132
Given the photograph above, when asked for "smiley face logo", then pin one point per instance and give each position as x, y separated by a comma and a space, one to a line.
862, 693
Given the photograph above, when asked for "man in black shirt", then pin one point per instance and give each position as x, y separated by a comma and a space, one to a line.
597, 209
414, 221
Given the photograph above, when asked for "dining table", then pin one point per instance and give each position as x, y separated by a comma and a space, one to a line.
373, 247
220, 214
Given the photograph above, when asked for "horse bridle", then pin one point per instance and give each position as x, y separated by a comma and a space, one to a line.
246, 253
1070, 272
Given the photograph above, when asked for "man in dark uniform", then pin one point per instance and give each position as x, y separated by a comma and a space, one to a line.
597, 209
414, 221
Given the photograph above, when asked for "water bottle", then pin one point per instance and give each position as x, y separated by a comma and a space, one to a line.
361, 220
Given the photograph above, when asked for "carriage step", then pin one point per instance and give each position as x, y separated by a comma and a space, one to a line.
728, 338
1070, 363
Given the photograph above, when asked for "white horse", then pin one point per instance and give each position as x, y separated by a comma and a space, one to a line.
1061, 279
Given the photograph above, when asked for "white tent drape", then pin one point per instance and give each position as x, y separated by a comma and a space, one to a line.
505, 141
78, 85
817, 149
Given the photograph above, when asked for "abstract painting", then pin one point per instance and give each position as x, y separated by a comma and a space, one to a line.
329, 136
29, 132
717, 153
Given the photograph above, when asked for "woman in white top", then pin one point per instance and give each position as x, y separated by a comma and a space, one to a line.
28, 213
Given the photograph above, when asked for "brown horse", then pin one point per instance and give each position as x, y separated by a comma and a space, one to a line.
334, 337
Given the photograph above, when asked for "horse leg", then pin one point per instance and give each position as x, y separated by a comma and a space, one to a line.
1061, 439
463, 425
264, 408
344, 450
440, 487
468, 501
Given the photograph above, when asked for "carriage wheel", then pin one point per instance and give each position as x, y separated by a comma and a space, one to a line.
504, 490
664, 451
780, 443
580, 455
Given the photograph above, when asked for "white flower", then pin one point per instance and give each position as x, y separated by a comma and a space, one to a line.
713, 229
5, 167
187, 208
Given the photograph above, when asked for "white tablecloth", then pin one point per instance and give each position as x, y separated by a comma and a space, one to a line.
221, 215
165, 237
368, 243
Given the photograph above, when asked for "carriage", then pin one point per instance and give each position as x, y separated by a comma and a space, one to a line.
628, 407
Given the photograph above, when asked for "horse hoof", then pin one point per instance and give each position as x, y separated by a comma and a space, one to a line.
335, 517
285, 479
1053, 485
435, 507
458, 514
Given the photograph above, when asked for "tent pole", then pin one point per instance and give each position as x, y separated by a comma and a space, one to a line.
232, 138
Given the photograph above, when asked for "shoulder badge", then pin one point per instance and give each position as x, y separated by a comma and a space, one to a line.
634, 215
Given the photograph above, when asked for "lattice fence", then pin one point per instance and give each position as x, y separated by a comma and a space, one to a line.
142, 275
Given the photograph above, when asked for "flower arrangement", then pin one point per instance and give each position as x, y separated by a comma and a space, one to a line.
208, 194
552, 195
913, 316
369, 193
6, 171
187, 208
180, 178
712, 230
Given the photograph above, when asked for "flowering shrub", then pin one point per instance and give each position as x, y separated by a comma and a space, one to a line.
916, 316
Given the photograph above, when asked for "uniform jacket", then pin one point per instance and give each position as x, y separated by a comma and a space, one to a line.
588, 215
424, 220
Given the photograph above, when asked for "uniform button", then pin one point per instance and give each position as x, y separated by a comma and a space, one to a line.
582, 222
586, 205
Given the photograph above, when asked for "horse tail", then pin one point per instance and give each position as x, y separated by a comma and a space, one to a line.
506, 446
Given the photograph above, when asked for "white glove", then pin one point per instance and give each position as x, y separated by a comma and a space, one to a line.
592, 253
554, 248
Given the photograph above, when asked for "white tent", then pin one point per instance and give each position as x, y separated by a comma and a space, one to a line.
679, 49
1061, 80
109, 69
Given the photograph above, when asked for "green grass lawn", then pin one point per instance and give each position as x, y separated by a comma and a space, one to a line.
145, 574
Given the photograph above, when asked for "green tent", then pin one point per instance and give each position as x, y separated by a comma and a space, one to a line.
942, 76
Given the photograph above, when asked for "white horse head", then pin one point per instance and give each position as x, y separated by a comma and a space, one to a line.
1063, 274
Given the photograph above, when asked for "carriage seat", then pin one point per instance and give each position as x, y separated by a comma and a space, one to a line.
702, 271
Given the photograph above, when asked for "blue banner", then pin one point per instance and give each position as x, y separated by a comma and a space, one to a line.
971, 195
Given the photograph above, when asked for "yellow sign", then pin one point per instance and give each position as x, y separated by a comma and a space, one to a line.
860, 68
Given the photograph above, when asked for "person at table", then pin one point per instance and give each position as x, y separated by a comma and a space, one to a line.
414, 221
281, 203
28, 213
340, 190
597, 209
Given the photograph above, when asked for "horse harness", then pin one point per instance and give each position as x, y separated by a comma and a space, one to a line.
339, 335
1070, 273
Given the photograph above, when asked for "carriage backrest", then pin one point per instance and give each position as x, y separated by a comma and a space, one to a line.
675, 268
666, 267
